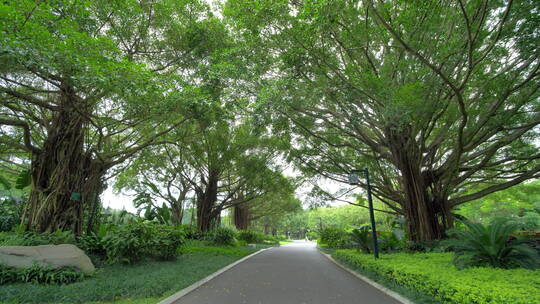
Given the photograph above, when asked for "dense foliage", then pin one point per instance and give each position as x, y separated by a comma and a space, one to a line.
250, 237
434, 274
492, 245
136, 241
221, 236
438, 99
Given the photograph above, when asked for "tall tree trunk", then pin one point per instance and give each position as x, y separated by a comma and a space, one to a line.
206, 200
428, 215
177, 213
241, 217
63, 176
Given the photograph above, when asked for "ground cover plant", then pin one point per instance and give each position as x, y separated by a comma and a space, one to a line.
434, 274
147, 279
39, 274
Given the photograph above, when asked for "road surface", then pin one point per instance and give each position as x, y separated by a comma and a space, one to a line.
295, 273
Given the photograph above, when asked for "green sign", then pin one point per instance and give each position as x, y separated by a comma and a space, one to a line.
75, 196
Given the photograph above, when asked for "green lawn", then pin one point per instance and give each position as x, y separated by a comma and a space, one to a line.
435, 275
146, 282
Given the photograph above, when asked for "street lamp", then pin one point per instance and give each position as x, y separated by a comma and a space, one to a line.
354, 180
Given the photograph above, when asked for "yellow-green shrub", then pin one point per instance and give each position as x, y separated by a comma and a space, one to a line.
434, 274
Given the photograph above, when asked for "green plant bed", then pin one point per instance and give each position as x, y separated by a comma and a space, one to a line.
435, 275
139, 283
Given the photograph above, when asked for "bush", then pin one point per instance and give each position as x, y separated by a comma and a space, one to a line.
269, 239
39, 274
93, 244
388, 241
434, 274
335, 238
133, 242
10, 213
191, 232
250, 237
165, 242
221, 236
492, 246
312, 235
361, 237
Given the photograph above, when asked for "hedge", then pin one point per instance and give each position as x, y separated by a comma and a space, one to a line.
434, 274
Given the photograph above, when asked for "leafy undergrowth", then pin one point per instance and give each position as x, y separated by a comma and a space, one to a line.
146, 282
434, 274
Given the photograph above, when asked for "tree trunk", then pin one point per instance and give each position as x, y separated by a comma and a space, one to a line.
64, 177
428, 215
241, 217
206, 199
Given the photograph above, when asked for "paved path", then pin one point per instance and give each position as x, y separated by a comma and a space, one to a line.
295, 273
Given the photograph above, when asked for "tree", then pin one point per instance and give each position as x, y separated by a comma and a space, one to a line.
267, 209
84, 86
436, 98
520, 203
156, 176
233, 166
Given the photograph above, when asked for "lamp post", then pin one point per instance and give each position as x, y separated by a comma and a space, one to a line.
353, 180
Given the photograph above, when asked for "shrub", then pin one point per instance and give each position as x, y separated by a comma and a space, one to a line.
269, 239
434, 274
221, 236
165, 242
388, 241
133, 242
312, 235
126, 244
39, 274
10, 213
335, 238
92, 244
362, 239
491, 245
250, 237
191, 232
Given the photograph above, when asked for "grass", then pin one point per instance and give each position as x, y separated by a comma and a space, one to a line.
147, 282
432, 278
285, 242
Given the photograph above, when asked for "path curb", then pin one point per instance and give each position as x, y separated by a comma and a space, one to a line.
199, 283
380, 287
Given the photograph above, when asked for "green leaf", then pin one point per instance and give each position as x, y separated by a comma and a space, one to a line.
23, 180
5, 183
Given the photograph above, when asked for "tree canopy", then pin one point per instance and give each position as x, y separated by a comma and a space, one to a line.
185, 104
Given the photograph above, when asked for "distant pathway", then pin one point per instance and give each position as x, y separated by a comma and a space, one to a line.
292, 274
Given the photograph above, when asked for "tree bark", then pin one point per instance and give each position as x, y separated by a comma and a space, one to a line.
241, 217
425, 206
64, 177
206, 199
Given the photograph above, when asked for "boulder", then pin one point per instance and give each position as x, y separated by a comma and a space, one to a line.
55, 256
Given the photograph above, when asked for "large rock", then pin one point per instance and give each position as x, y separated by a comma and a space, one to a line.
56, 256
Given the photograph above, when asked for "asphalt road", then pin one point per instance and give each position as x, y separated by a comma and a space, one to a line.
295, 273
